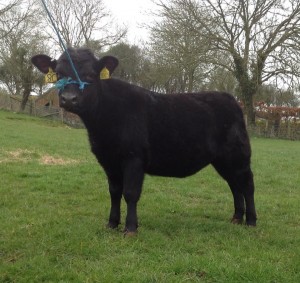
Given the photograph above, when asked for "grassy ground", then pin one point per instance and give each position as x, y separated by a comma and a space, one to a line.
54, 205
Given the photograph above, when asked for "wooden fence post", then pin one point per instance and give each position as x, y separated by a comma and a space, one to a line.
62, 115
288, 129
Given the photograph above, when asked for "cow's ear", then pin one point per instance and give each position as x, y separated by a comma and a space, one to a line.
43, 63
106, 65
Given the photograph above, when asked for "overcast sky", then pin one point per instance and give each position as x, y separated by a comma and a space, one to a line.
132, 13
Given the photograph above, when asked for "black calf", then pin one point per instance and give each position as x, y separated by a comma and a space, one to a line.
133, 131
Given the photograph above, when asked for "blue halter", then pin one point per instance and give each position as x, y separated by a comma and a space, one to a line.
62, 83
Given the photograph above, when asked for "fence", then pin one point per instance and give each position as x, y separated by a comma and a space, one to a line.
32, 108
285, 130
264, 128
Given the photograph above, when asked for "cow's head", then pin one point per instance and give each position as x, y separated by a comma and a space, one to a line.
73, 94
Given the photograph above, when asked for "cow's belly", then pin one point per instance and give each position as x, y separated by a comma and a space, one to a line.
177, 164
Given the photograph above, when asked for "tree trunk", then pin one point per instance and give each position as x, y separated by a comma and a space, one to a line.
25, 97
191, 80
247, 87
27, 85
249, 109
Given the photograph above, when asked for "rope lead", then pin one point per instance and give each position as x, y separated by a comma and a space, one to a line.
81, 83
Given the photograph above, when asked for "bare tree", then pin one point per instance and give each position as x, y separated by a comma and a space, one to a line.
5, 8
84, 23
20, 40
177, 50
259, 37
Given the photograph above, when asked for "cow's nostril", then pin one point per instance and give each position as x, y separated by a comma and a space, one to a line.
74, 100
68, 99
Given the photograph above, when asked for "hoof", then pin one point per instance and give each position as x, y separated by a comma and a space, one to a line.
236, 221
251, 223
128, 233
112, 225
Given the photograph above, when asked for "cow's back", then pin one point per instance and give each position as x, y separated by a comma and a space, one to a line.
189, 131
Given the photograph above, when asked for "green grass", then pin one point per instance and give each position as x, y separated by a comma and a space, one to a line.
54, 205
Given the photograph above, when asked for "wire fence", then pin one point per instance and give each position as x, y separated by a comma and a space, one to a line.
286, 129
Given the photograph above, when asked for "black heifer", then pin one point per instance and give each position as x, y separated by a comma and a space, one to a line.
133, 131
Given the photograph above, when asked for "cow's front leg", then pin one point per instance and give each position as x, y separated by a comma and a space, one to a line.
132, 186
115, 190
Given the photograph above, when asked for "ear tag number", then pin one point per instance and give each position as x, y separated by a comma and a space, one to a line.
50, 77
104, 74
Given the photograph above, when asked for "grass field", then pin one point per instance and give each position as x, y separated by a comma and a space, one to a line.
54, 205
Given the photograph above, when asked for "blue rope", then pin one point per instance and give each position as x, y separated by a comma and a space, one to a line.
64, 82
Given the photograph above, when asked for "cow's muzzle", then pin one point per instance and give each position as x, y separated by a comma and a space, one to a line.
68, 100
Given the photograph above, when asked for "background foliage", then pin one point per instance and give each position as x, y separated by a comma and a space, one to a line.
249, 48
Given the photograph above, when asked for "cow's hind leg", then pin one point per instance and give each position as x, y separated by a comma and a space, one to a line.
239, 204
241, 184
245, 181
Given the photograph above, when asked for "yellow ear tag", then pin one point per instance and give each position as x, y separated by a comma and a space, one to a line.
104, 74
50, 77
